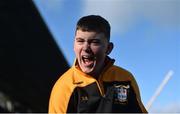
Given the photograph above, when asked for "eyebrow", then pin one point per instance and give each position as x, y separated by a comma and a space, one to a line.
79, 38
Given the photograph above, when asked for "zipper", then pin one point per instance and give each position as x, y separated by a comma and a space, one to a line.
99, 81
101, 89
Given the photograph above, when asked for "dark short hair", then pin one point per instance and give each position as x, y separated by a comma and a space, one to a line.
94, 23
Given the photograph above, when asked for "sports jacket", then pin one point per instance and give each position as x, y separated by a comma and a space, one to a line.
115, 91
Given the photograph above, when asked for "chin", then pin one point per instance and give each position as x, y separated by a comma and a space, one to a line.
88, 71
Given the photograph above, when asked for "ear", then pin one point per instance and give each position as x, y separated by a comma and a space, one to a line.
109, 48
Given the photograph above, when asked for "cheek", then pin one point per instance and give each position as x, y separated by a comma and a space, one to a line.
99, 50
76, 49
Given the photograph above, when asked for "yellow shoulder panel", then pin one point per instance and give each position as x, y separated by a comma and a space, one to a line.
61, 93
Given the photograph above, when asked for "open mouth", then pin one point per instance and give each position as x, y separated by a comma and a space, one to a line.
88, 60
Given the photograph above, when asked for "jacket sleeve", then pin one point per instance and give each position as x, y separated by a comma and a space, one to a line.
61, 95
57, 102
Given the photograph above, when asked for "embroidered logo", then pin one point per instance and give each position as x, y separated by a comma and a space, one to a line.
121, 94
84, 98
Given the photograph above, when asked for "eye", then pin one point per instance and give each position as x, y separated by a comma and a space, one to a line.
95, 42
79, 40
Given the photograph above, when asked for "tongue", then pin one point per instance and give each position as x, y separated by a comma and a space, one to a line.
88, 62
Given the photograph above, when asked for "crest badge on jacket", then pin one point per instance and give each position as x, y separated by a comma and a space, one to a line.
121, 94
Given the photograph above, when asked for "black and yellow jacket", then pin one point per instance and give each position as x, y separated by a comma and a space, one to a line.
115, 91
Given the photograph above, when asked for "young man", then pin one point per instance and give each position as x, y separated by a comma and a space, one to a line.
93, 83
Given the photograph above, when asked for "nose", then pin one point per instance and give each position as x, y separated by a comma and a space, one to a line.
87, 47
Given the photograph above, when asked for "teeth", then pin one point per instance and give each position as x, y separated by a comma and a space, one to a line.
88, 58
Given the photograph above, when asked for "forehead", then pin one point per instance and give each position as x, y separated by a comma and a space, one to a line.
89, 35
